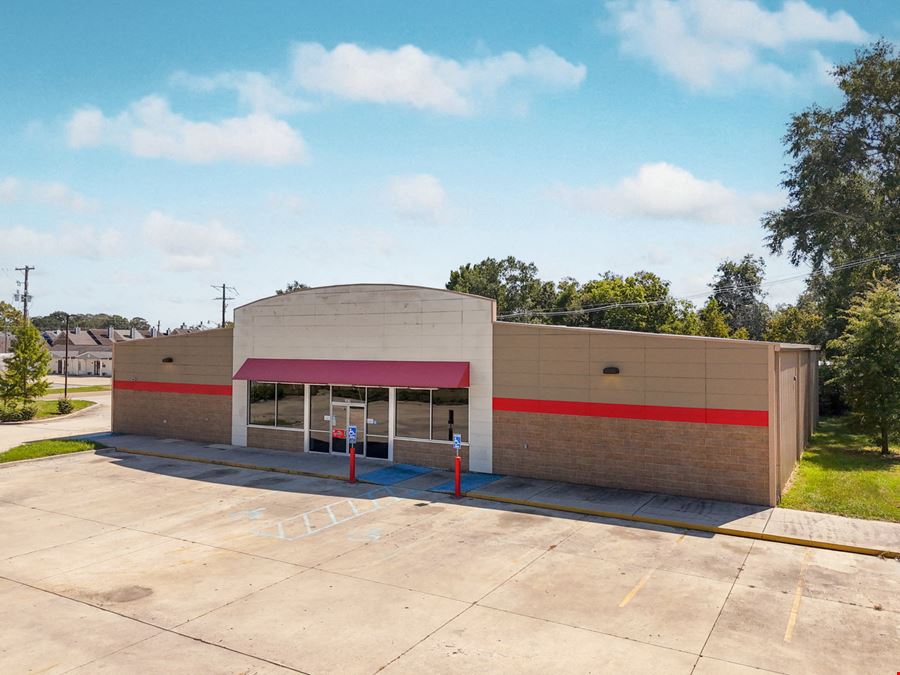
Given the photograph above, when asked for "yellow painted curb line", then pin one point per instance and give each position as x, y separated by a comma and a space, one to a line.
747, 534
677, 524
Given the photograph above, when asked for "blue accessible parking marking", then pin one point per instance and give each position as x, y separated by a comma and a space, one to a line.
469, 482
391, 475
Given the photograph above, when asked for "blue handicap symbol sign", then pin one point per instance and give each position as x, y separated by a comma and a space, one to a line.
351, 433
457, 441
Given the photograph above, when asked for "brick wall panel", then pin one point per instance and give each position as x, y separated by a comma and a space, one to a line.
437, 455
193, 417
698, 460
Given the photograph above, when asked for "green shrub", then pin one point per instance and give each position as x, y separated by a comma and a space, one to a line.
64, 406
13, 414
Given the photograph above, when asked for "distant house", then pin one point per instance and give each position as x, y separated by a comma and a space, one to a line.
90, 350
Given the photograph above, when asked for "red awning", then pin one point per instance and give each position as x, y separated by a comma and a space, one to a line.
443, 374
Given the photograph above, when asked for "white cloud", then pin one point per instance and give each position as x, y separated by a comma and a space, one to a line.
710, 43
418, 197
663, 191
80, 241
13, 190
20, 239
187, 245
292, 204
410, 76
10, 190
149, 128
257, 91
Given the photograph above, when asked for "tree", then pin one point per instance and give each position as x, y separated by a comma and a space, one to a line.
713, 321
843, 184
26, 370
686, 321
799, 324
513, 283
639, 302
291, 287
10, 317
57, 319
140, 323
867, 361
737, 288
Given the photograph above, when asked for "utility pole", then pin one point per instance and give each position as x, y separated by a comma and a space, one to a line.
24, 297
223, 288
66, 362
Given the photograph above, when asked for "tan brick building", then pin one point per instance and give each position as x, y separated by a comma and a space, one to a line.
413, 369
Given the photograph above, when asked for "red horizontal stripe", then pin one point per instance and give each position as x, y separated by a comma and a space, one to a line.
657, 413
175, 387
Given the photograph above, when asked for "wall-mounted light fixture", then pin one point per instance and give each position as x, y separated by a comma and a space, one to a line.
168, 359
611, 370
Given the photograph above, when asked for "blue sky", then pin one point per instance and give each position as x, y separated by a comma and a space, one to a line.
150, 150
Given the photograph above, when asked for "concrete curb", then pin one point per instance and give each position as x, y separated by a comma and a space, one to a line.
236, 465
44, 420
16, 462
676, 524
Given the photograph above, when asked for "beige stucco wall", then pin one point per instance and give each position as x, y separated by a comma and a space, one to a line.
202, 358
566, 364
374, 321
796, 372
550, 363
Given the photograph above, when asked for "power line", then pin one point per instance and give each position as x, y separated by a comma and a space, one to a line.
882, 257
224, 298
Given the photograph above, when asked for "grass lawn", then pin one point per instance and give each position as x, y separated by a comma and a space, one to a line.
46, 449
48, 408
843, 472
92, 387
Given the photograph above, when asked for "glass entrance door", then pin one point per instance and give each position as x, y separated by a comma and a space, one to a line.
343, 415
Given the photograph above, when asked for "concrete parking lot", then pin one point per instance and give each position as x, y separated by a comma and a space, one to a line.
122, 563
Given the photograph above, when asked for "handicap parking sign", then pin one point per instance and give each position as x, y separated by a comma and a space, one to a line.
457, 441
351, 433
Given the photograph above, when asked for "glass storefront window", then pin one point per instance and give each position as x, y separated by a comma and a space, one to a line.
424, 414
413, 414
320, 407
262, 403
289, 409
346, 394
449, 414
377, 411
377, 422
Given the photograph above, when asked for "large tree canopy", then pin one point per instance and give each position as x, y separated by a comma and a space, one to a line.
843, 182
641, 301
56, 320
513, 283
737, 288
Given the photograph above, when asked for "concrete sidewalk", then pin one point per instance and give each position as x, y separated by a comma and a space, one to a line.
824, 530
92, 420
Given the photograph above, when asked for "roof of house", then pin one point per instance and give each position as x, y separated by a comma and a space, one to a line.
79, 339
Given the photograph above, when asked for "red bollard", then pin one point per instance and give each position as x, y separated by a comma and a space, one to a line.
353, 462
457, 492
